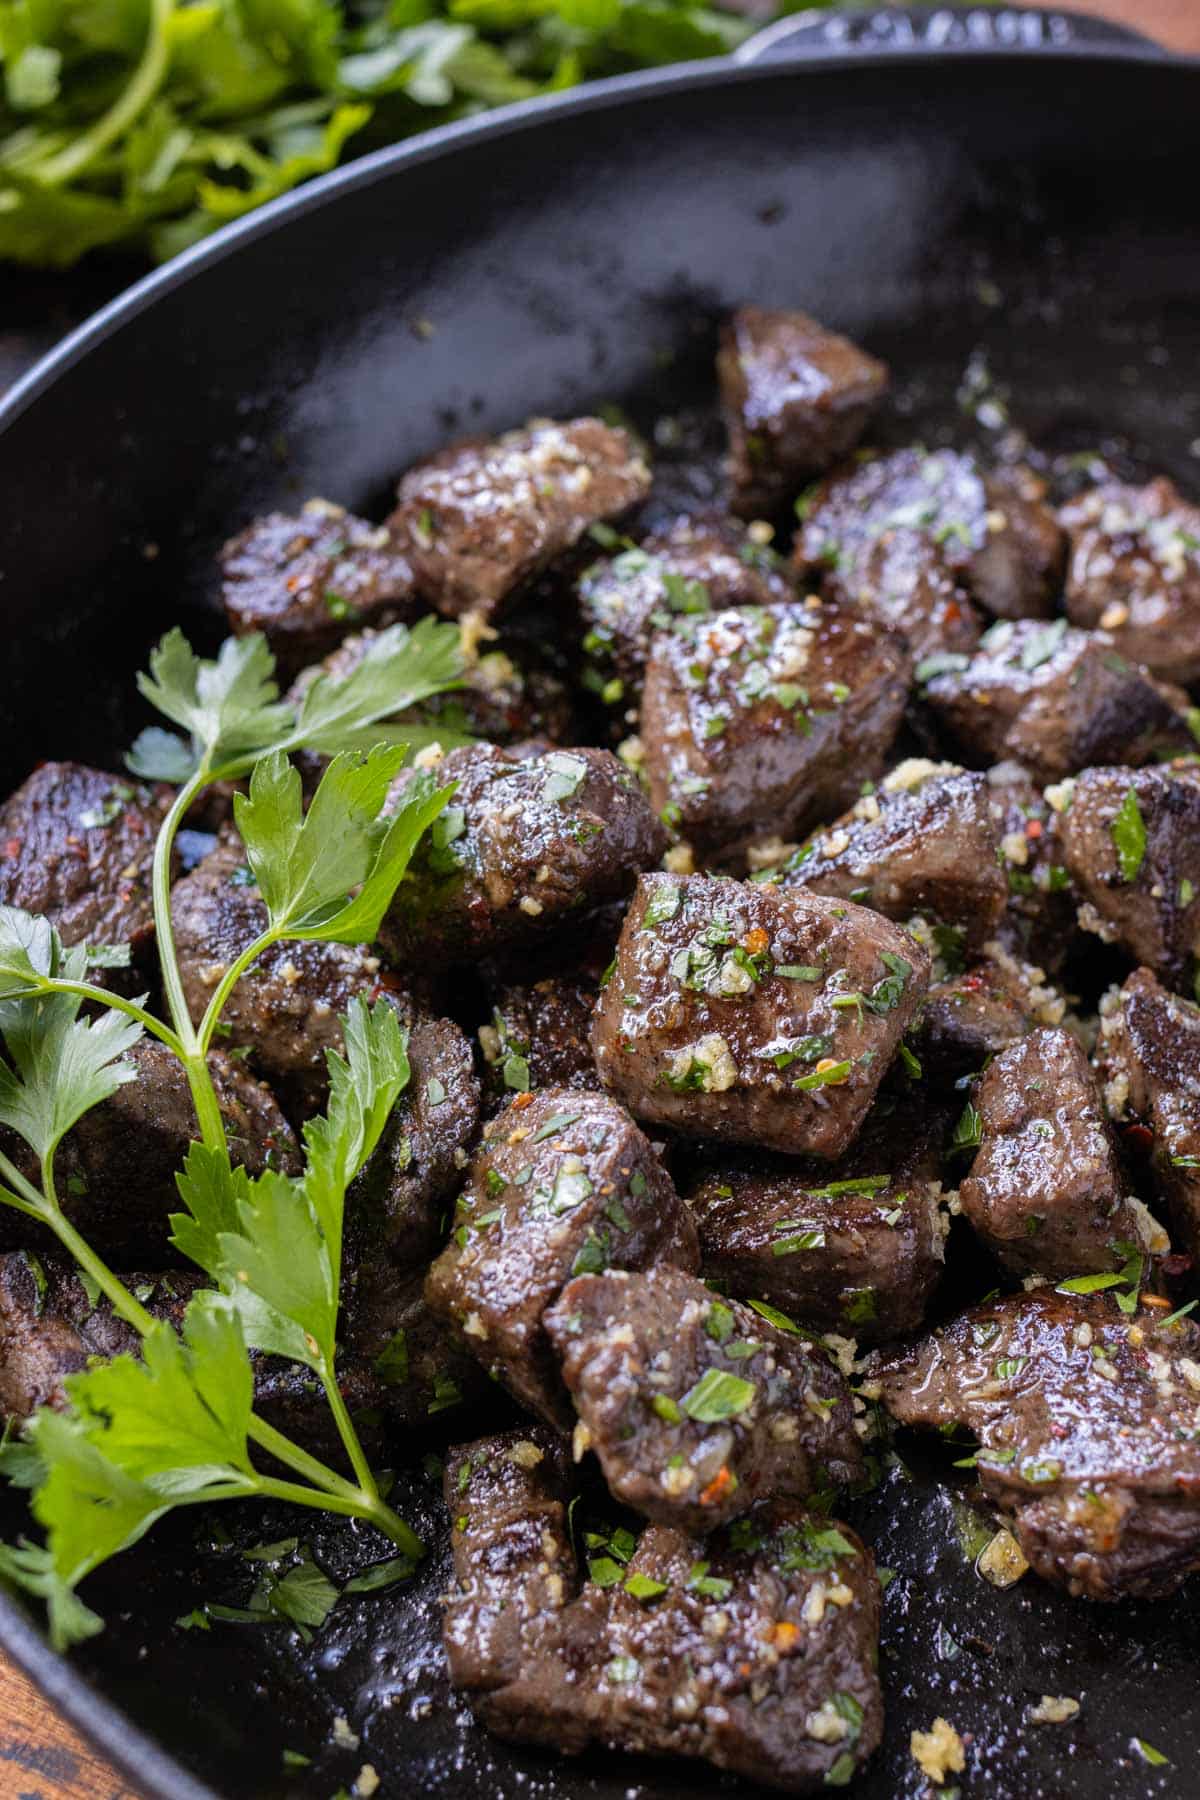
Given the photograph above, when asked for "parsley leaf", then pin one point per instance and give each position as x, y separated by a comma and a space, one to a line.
1128, 833
716, 1396
232, 712
330, 873
228, 706
61, 1065
274, 1242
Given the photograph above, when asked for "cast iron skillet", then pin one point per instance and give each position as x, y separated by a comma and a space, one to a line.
933, 184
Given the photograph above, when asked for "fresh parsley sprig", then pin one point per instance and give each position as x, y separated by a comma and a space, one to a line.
177, 1427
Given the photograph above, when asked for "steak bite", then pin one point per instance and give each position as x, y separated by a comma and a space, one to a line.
287, 1007
507, 1496
974, 1014
795, 397
525, 847
695, 565
482, 518
1086, 1419
1134, 570
994, 533
419, 1160
115, 1170
1131, 841
1046, 1192
767, 719
1149, 1060
755, 1649
78, 845
922, 841
563, 1184
306, 579
1056, 700
538, 1036
859, 1254
408, 1366
697, 1407
1039, 923
743, 1012
903, 582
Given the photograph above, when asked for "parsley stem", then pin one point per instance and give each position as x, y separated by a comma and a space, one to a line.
30, 1201
118, 1003
161, 890
345, 1425
226, 985
190, 1051
354, 1505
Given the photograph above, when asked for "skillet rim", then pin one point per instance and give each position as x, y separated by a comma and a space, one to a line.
107, 1728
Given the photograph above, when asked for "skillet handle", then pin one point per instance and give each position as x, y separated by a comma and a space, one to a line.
972, 28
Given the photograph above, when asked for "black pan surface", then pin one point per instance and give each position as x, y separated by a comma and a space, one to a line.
1032, 216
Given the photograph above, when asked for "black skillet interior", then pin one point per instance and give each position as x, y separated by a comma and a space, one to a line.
1038, 212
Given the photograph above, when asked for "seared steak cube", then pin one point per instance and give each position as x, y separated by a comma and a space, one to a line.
524, 848
408, 1366
740, 1011
563, 1184
1131, 841
419, 1160
306, 579
796, 398
1055, 699
767, 718
697, 565
697, 1407
1149, 1058
51, 1328
287, 1008
115, 1170
538, 1035
994, 533
1134, 570
974, 1014
481, 519
1085, 1417
857, 1249
922, 841
1046, 1192
755, 1649
1039, 923
902, 581
78, 845
500, 699
507, 1497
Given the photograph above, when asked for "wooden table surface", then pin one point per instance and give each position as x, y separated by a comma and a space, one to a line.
41, 1758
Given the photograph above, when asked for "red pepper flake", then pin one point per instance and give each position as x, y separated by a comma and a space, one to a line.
1139, 1137
522, 1101
784, 1635
721, 1483
1034, 828
1156, 1300
951, 612
755, 941
12, 846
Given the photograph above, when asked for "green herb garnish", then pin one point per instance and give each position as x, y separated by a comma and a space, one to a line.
138, 1438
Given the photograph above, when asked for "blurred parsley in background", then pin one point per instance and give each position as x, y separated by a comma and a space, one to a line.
145, 124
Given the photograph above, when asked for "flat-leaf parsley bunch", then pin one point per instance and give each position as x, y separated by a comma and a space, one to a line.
177, 1427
